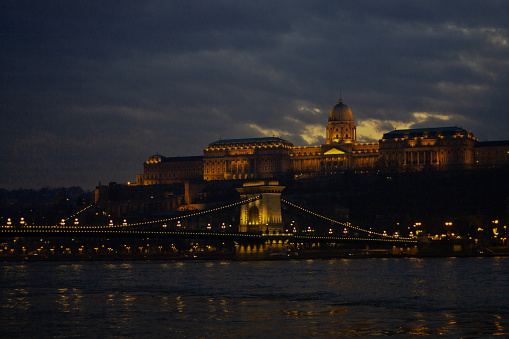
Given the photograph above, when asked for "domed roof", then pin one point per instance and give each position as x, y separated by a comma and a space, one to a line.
341, 112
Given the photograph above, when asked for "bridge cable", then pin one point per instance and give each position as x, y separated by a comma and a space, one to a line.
77, 213
339, 222
124, 225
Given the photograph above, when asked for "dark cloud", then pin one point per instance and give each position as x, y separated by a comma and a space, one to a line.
90, 89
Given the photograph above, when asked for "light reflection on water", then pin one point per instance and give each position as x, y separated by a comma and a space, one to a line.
449, 297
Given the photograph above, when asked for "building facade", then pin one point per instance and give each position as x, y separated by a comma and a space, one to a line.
341, 150
411, 150
254, 158
417, 150
163, 170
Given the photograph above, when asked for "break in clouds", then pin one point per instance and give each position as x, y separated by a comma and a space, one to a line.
90, 90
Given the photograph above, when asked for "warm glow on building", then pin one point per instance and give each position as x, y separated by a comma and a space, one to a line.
408, 150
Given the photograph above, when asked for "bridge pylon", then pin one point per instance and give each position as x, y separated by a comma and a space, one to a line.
262, 214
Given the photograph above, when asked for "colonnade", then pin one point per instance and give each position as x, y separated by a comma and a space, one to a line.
421, 157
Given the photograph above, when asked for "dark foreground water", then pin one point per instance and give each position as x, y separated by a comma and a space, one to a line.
449, 297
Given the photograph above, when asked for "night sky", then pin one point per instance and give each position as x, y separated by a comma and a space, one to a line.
89, 90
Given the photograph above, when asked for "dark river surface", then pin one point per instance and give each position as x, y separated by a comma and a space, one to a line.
438, 297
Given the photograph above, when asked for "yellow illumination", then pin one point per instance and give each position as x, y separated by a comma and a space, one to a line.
334, 151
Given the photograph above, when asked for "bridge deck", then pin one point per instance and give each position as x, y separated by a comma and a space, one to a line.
108, 233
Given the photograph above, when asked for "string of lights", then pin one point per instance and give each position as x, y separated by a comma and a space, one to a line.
197, 213
339, 222
126, 232
125, 225
76, 214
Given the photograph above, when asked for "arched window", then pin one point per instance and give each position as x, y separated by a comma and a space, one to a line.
254, 216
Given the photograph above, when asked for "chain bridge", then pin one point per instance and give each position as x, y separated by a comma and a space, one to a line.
260, 228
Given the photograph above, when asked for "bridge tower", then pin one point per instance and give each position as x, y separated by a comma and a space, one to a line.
262, 214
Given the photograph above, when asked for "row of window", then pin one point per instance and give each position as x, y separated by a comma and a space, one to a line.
420, 143
177, 174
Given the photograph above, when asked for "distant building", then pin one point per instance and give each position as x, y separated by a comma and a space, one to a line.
163, 170
410, 150
492, 153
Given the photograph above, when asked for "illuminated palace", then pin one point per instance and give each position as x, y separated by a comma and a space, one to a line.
411, 150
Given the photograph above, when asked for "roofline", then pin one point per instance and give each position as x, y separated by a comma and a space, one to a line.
244, 140
430, 129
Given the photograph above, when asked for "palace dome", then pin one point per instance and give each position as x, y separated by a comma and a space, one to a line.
341, 112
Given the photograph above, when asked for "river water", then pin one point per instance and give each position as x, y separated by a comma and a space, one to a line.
439, 297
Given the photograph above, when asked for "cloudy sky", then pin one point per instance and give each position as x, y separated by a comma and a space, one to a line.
89, 90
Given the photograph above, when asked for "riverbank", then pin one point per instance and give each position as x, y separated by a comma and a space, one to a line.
294, 255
